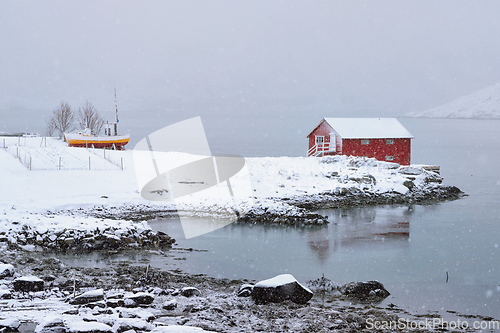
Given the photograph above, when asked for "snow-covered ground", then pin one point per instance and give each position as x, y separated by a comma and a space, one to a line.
50, 190
483, 104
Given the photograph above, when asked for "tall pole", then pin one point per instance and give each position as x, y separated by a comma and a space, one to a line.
116, 115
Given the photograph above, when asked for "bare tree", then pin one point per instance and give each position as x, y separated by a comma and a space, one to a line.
50, 127
88, 117
62, 119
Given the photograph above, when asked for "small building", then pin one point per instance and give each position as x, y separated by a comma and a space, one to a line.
382, 138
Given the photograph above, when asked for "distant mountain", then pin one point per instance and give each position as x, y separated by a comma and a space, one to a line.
483, 104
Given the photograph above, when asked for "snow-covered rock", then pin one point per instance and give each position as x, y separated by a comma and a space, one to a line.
114, 303
140, 298
88, 327
89, 297
178, 329
6, 270
280, 288
5, 294
28, 283
170, 304
190, 291
144, 314
9, 325
245, 290
125, 324
51, 323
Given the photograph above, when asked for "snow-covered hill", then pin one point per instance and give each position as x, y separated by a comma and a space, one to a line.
483, 104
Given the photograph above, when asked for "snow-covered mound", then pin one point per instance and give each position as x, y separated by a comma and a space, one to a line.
483, 104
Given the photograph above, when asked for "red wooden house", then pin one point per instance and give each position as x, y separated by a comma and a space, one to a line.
382, 138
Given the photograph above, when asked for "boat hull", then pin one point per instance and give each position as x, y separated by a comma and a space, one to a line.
79, 140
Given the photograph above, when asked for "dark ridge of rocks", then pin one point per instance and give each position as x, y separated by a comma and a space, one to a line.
69, 240
307, 218
131, 213
353, 197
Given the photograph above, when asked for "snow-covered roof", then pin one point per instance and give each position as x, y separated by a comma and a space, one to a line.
368, 128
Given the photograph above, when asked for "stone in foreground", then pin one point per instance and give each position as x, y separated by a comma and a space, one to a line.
141, 298
170, 305
281, 288
245, 290
88, 297
28, 283
51, 324
6, 270
364, 290
88, 327
9, 325
190, 291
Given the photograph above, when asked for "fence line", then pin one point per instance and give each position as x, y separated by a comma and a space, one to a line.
32, 162
108, 158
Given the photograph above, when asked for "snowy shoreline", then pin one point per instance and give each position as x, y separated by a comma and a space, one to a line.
62, 206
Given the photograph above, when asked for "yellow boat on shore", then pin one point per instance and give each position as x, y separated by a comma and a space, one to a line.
88, 141
111, 139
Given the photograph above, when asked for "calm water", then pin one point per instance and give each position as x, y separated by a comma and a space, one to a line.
409, 249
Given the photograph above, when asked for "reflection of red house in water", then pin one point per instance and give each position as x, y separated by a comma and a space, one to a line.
319, 242
382, 138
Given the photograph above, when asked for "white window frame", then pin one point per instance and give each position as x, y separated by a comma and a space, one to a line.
389, 141
389, 158
322, 140
365, 142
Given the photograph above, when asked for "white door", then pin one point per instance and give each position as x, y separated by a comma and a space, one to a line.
333, 142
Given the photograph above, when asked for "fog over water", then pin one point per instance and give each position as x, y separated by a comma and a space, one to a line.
259, 73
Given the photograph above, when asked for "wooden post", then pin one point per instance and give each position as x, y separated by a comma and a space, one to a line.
121, 161
30, 162
59, 162
89, 162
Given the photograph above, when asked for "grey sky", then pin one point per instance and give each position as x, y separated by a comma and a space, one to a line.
252, 62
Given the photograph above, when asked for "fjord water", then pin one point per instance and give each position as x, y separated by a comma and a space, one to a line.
438, 257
